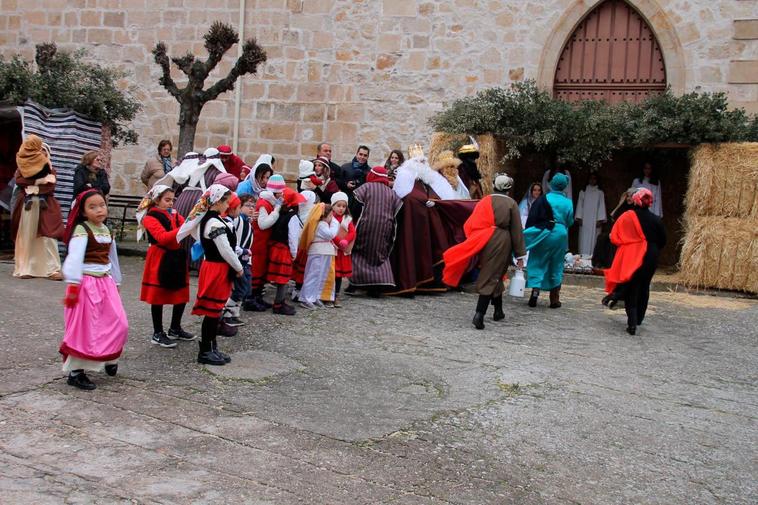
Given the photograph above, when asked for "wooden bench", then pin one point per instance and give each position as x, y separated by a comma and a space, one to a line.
123, 209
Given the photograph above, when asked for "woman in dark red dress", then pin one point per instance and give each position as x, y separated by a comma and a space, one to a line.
165, 280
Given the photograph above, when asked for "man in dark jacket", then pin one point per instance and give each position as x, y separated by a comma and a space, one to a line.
353, 176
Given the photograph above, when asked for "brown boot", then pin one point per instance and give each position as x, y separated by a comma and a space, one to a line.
555, 298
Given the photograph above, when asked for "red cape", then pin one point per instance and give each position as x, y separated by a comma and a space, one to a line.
628, 237
479, 228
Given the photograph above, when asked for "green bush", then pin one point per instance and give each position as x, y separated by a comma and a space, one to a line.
64, 80
585, 134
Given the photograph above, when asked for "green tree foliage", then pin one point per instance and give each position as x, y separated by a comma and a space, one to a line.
65, 80
585, 134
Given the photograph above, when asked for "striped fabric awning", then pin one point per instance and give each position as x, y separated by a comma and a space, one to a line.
69, 136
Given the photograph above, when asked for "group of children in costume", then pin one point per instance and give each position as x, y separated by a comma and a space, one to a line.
283, 236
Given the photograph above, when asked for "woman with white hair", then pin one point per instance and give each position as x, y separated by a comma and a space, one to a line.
493, 232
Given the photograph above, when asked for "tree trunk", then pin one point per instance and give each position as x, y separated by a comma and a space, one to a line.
189, 114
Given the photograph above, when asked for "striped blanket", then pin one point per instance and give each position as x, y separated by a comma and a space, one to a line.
69, 136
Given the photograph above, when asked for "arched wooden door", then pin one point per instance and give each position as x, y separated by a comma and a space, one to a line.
612, 55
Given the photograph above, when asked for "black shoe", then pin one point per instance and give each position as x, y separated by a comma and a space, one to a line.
225, 330
533, 300
43, 204
162, 340
498, 315
81, 381
111, 369
234, 321
180, 334
263, 303
284, 309
253, 306
478, 321
210, 358
606, 300
28, 204
223, 356
631, 330
555, 305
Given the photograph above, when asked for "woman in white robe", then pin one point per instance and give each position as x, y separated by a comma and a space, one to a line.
649, 179
590, 215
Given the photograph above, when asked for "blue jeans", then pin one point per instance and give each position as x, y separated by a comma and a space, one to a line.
242, 285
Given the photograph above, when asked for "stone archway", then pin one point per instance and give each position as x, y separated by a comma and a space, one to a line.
651, 12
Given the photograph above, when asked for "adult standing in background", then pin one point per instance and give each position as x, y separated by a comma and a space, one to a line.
649, 179
159, 165
354, 175
590, 215
468, 169
394, 160
535, 191
90, 174
37, 222
324, 150
547, 177
546, 236
233, 163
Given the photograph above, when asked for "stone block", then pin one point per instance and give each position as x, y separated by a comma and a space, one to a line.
114, 19
351, 112
400, 8
277, 131
286, 112
99, 36
317, 6
322, 40
385, 61
743, 71
280, 91
311, 92
90, 18
389, 43
746, 29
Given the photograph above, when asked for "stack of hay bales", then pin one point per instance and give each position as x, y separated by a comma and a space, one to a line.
720, 245
487, 163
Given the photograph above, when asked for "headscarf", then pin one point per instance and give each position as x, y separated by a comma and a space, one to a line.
227, 180
181, 173
234, 201
378, 174
149, 200
32, 156
75, 216
304, 208
559, 182
191, 226
212, 159
528, 198
643, 197
502, 182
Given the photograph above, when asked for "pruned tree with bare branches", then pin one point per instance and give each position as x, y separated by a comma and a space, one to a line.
219, 39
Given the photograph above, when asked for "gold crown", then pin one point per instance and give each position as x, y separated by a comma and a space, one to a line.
415, 150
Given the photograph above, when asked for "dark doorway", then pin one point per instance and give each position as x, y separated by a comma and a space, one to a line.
672, 166
10, 141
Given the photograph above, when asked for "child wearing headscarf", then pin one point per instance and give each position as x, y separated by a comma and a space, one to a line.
343, 264
316, 242
165, 279
219, 269
279, 271
546, 236
96, 324
268, 207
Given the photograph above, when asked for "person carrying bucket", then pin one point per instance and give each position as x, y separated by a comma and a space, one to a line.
494, 232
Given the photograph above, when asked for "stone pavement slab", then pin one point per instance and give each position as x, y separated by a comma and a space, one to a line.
390, 401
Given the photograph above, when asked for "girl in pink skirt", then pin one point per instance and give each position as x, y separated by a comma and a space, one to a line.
96, 325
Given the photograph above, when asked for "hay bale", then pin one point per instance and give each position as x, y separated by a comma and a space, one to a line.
489, 159
720, 252
724, 180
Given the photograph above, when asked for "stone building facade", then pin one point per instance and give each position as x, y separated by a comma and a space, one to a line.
365, 71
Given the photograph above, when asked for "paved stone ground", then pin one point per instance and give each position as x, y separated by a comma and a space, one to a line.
390, 401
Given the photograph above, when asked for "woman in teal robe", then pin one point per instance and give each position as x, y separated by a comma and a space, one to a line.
546, 237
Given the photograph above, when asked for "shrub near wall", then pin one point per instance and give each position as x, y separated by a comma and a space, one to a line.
720, 246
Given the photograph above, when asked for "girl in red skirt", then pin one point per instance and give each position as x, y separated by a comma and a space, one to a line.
165, 280
279, 255
343, 266
219, 269
267, 207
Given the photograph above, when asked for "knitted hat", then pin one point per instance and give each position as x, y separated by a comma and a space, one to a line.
292, 198
276, 184
339, 196
305, 169
224, 149
31, 157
